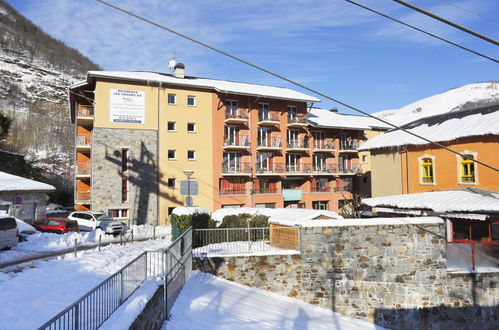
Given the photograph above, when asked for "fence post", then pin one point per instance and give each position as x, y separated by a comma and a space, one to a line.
100, 239
121, 238
76, 246
132, 235
145, 273
473, 255
154, 232
76, 324
121, 287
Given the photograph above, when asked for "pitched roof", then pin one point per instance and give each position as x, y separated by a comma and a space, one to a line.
446, 127
459, 200
223, 86
324, 118
9, 182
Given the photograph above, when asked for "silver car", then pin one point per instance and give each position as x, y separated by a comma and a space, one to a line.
8, 232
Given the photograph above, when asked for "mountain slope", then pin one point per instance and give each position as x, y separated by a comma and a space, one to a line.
456, 99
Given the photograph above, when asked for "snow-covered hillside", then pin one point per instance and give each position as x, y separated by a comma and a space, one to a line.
456, 99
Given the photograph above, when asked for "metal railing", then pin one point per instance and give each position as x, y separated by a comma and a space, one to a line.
268, 116
320, 189
298, 169
95, 307
350, 169
297, 120
472, 256
83, 168
261, 191
234, 241
232, 191
269, 142
234, 113
324, 145
297, 144
323, 168
266, 168
349, 145
236, 168
83, 140
236, 141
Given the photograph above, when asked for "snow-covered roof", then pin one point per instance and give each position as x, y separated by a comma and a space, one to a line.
456, 99
460, 200
188, 210
441, 128
223, 86
303, 217
324, 118
9, 182
219, 214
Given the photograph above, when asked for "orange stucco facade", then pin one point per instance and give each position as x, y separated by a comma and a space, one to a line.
447, 170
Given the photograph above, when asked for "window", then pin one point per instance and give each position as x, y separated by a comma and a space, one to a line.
232, 186
231, 206
344, 184
118, 213
172, 99
476, 231
319, 185
263, 111
124, 159
266, 205
291, 113
191, 127
191, 101
467, 169
172, 183
364, 159
320, 205
231, 109
264, 186
191, 155
124, 189
172, 127
172, 154
427, 170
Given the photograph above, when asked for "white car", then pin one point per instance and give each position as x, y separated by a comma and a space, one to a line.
90, 220
8, 232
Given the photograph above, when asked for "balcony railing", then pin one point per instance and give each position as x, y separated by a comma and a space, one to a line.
236, 141
83, 140
320, 189
324, 168
297, 144
349, 145
343, 186
83, 168
85, 111
268, 116
351, 169
236, 168
266, 168
297, 120
298, 169
236, 114
232, 191
467, 179
261, 191
83, 195
274, 142
323, 145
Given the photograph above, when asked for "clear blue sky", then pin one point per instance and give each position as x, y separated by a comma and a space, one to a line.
332, 46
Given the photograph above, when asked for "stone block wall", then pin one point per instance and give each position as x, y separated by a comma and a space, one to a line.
153, 314
107, 145
37, 199
393, 275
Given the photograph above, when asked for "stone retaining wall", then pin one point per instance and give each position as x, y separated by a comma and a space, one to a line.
153, 314
393, 275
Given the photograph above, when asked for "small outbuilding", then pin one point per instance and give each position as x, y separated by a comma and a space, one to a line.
23, 198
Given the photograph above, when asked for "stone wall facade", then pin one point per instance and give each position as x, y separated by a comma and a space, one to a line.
33, 204
142, 172
153, 314
392, 275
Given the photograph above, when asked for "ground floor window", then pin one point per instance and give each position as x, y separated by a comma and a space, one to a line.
294, 205
320, 205
118, 213
474, 231
266, 205
231, 206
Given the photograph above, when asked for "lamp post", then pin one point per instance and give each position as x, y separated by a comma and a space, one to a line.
188, 199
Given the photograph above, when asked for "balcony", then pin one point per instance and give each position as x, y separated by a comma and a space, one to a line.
228, 192
324, 169
268, 118
349, 146
269, 143
83, 170
298, 169
320, 189
85, 114
236, 142
340, 169
269, 169
83, 197
291, 195
297, 145
235, 116
324, 146
83, 141
298, 121
265, 191
236, 169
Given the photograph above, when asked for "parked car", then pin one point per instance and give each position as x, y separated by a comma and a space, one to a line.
9, 236
56, 225
91, 220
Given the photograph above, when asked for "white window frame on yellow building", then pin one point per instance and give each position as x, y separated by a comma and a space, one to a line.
421, 170
460, 170
194, 100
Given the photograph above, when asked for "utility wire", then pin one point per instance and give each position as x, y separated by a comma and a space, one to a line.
471, 12
423, 31
441, 19
288, 80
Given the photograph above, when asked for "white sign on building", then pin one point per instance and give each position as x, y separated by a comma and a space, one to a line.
127, 106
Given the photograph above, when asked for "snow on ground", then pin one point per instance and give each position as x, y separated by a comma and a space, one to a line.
240, 249
209, 302
124, 316
41, 243
32, 297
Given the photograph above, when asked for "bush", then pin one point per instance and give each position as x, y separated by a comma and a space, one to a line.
258, 221
181, 223
241, 221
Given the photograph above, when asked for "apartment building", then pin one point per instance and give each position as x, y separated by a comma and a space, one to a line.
139, 134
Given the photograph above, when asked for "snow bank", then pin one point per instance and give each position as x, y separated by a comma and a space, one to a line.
302, 217
35, 295
24, 227
209, 302
124, 316
188, 210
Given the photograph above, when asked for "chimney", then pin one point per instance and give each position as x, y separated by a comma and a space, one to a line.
178, 71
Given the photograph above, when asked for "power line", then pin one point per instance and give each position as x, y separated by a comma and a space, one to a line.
471, 12
443, 20
423, 31
288, 80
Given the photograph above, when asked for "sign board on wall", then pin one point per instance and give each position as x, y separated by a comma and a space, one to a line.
127, 106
